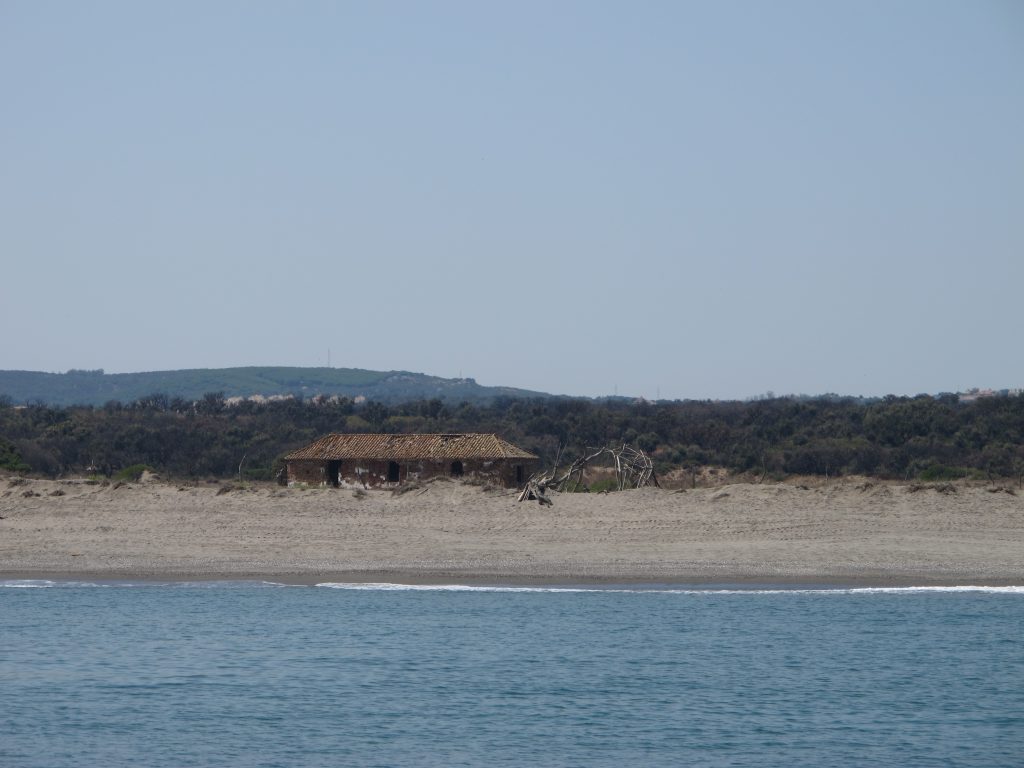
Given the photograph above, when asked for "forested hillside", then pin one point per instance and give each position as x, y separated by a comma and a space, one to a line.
924, 437
80, 387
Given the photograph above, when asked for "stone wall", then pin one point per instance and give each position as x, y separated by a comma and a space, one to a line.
307, 472
510, 473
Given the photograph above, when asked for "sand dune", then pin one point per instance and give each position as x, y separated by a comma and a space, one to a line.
852, 532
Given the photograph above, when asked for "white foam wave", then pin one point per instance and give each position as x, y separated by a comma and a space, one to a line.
49, 584
653, 589
44, 584
387, 587
26, 584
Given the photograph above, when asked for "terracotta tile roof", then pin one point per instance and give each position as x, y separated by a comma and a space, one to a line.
409, 447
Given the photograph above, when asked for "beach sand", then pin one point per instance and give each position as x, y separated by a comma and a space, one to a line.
852, 532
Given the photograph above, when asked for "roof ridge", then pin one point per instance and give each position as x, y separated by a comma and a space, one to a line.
410, 446
412, 434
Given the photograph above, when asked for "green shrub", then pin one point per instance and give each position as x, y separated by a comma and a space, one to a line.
604, 484
937, 472
10, 459
132, 473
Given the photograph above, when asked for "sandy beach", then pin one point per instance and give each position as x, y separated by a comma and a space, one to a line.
853, 532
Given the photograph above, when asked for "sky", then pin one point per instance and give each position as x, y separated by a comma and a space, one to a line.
661, 199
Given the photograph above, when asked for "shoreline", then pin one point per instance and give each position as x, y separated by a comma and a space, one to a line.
391, 578
855, 534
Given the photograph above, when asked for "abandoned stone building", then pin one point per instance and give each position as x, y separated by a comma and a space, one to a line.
388, 460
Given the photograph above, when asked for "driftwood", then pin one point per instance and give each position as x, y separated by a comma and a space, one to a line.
633, 469
535, 491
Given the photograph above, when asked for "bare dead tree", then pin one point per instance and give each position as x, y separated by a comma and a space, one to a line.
633, 469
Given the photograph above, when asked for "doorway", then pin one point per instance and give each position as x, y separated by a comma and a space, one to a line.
333, 472
394, 472
457, 469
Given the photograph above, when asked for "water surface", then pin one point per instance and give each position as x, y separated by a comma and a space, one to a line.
260, 675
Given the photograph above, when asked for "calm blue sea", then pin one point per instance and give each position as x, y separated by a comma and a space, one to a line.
229, 674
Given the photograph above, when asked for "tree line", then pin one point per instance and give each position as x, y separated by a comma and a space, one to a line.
923, 437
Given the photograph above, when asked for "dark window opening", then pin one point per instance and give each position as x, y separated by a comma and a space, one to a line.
519, 473
333, 470
393, 472
456, 469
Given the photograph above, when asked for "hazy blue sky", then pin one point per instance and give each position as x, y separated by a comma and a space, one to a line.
691, 199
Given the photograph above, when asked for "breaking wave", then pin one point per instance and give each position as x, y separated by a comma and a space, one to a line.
654, 589
386, 587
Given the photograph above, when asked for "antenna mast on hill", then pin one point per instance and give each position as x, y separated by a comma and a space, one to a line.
328, 357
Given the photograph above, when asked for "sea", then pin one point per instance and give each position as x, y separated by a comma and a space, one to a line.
262, 674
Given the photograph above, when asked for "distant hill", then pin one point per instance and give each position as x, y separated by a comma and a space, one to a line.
78, 387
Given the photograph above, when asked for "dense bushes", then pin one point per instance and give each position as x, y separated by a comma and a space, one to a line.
926, 437
10, 459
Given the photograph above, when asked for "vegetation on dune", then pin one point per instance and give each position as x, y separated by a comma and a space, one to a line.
927, 438
10, 459
132, 473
